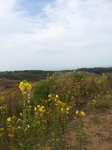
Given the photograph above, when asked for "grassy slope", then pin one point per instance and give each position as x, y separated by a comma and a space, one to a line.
98, 128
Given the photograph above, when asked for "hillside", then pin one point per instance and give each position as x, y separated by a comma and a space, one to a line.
68, 110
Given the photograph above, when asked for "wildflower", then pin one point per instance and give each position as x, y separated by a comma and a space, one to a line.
40, 109
38, 106
24, 85
74, 117
57, 96
61, 109
2, 97
83, 113
11, 135
77, 112
1, 129
27, 86
21, 86
67, 109
49, 96
0, 134
94, 101
9, 119
21, 114
35, 108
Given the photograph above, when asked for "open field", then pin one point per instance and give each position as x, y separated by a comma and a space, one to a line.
64, 111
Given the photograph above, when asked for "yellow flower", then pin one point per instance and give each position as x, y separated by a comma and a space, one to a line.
35, 109
38, 106
9, 119
94, 101
1, 129
11, 135
61, 109
77, 112
25, 85
49, 96
2, 97
40, 109
67, 109
57, 96
21, 86
82, 113
0, 134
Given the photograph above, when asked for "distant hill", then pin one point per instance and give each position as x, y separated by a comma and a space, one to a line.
36, 75
29, 75
99, 70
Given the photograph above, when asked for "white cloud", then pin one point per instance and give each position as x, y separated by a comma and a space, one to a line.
63, 34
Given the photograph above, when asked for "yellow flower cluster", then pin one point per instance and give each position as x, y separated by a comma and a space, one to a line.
1, 131
82, 113
10, 128
67, 109
40, 108
24, 85
60, 103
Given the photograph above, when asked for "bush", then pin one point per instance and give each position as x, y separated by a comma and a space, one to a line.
41, 91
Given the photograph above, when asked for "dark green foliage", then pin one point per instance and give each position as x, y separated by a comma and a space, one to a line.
42, 91
98, 70
29, 75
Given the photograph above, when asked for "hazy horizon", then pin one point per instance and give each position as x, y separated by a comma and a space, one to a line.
55, 70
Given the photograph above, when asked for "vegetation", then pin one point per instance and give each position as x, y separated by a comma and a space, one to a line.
29, 75
38, 115
96, 70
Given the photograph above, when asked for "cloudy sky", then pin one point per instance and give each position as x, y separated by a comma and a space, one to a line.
55, 34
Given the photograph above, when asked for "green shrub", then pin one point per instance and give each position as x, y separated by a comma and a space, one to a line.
42, 91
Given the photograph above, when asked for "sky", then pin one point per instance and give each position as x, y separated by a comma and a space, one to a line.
55, 34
